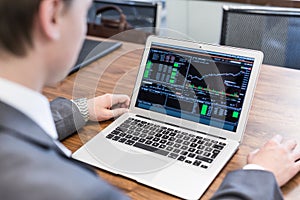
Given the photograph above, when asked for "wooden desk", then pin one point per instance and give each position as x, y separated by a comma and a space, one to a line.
275, 109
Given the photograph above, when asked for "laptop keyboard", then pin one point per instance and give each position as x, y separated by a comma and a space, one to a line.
188, 148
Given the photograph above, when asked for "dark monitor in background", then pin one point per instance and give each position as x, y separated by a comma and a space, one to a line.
139, 14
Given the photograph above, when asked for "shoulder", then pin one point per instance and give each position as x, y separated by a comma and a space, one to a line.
29, 172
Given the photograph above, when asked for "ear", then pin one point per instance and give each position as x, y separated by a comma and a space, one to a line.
49, 16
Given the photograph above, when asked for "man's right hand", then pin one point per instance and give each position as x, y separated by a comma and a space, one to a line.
278, 156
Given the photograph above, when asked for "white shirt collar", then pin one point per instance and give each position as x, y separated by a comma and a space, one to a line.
29, 102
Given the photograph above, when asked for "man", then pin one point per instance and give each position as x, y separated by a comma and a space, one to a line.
39, 42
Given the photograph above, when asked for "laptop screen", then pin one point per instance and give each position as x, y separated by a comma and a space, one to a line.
196, 85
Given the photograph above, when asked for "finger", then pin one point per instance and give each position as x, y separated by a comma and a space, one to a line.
107, 114
290, 144
119, 111
120, 99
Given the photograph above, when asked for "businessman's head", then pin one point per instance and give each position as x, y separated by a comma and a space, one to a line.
52, 30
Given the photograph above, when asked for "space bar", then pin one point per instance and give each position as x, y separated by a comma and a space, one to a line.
152, 149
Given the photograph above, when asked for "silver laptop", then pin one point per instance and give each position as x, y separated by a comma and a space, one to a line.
187, 117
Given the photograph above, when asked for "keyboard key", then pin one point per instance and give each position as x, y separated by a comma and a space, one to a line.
207, 154
191, 150
109, 136
142, 140
115, 132
179, 136
184, 148
179, 141
214, 155
169, 148
145, 131
135, 133
176, 150
170, 129
201, 142
204, 166
122, 134
151, 149
165, 137
162, 146
149, 137
129, 142
184, 153
208, 160
197, 163
138, 129
124, 125
170, 143
193, 140
215, 151
188, 161
173, 155
163, 141
208, 149
122, 140
184, 133
155, 144
116, 138
143, 135
222, 143
186, 137
219, 147
172, 134
181, 158
191, 155
128, 136
158, 135
148, 142
199, 137
194, 145
208, 144
199, 152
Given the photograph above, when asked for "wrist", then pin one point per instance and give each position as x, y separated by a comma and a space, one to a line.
82, 106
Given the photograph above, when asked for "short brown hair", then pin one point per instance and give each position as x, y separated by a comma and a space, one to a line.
16, 20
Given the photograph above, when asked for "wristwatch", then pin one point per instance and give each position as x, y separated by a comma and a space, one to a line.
82, 105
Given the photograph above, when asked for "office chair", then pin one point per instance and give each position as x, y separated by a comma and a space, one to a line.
273, 30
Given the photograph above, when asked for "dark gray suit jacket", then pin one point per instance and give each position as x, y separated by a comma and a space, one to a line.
248, 185
33, 168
